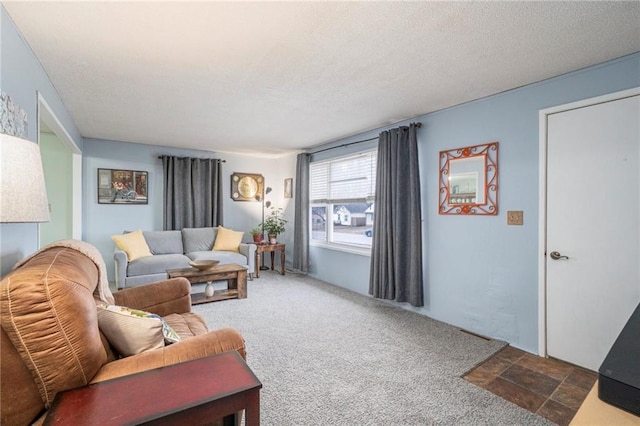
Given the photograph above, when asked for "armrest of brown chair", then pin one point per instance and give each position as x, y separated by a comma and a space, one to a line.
214, 342
166, 297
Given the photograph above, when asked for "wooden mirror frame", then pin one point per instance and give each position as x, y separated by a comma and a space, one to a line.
485, 199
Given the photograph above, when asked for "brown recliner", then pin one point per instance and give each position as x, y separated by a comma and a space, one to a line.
50, 341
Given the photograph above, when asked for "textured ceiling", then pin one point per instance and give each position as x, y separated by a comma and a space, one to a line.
269, 78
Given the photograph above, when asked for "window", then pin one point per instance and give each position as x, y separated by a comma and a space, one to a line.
341, 198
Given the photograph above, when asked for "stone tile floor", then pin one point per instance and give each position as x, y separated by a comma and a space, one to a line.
550, 388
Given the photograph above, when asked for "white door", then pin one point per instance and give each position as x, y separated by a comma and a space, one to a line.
593, 213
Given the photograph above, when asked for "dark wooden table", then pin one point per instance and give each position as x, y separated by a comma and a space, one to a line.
192, 393
261, 248
236, 276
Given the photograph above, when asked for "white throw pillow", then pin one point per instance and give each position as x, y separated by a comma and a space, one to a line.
131, 331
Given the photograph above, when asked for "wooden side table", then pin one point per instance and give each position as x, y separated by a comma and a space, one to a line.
192, 392
261, 248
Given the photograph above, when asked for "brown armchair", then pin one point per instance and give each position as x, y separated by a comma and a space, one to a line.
50, 340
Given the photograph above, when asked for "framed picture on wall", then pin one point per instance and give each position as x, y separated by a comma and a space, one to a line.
288, 188
247, 186
122, 186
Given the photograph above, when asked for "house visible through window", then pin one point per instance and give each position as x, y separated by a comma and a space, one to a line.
341, 197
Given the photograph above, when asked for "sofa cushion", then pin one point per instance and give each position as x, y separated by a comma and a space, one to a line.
132, 243
187, 324
225, 257
131, 331
198, 239
157, 264
227, 239
164, 242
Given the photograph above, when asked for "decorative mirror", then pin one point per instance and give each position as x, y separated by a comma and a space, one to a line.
469, 180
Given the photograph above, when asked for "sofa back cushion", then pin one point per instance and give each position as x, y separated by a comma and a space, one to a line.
164, 242
48, 311
198, 239
157, 264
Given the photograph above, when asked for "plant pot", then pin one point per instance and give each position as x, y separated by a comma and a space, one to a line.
257, 238
272, 239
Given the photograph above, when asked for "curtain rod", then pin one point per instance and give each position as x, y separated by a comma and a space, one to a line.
418, 124
218, 159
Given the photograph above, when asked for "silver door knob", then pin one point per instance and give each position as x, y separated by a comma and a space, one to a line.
557, 256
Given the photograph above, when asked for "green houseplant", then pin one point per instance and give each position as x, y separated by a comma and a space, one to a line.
257, 234
274, 224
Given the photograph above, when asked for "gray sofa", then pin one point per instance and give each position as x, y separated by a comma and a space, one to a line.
175, 249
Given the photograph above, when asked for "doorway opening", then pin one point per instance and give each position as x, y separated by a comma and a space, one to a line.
62, 164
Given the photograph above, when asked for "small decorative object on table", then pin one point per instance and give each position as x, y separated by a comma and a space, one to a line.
203, 265
257, 234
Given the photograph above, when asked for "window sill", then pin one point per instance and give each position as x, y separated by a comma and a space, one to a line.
364, 251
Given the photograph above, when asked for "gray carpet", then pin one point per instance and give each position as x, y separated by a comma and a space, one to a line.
328, 356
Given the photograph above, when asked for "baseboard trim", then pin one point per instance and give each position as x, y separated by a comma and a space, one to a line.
488, 339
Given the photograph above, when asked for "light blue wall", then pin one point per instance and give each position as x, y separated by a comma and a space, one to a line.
481, 274
103, 220
22, 77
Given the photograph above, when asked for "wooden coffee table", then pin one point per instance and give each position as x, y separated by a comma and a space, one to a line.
235, 275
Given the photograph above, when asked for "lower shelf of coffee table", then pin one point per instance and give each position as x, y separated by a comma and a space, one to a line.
197, 298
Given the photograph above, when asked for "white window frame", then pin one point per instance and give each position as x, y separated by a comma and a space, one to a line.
329, 205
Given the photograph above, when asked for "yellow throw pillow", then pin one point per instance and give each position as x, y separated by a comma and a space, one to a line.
227, 239
133, 244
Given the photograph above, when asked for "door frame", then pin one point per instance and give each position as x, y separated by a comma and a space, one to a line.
45, 114
542, 200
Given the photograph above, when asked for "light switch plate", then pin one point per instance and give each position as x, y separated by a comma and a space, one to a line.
514, 217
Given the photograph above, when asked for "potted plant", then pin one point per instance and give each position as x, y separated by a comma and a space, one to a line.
257, 235
274, 224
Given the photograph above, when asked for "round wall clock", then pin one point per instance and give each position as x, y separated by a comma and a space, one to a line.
246, 186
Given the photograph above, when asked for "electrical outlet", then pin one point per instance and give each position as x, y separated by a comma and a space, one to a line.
514, 217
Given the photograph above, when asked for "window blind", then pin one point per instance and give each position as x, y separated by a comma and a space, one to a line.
344, 179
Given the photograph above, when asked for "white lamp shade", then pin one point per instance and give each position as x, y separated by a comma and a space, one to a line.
23, 195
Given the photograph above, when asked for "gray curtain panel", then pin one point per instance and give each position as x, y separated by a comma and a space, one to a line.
192, 192
301, 221
396, 252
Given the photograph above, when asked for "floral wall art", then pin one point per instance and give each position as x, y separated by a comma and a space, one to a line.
13, 119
